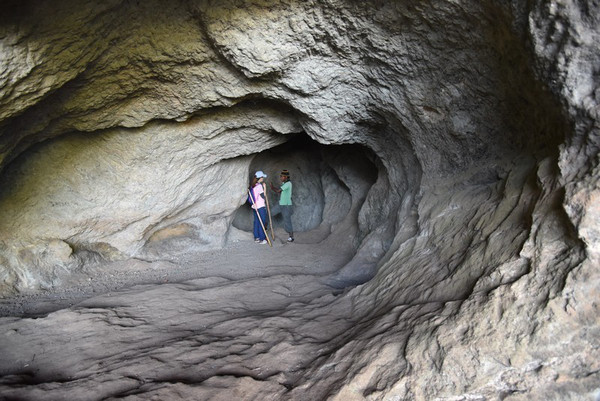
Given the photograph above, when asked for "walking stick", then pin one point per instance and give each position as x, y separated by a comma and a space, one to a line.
269, 211
259, 219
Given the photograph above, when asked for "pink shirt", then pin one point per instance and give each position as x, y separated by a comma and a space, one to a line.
258, 200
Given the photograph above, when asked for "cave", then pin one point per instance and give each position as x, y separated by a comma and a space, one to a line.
322, 197
444, 160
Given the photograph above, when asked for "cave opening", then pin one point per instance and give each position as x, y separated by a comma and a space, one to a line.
326, 185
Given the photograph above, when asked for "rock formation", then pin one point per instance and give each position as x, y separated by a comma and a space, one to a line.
451, 147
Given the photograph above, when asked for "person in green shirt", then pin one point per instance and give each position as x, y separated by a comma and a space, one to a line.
285, 202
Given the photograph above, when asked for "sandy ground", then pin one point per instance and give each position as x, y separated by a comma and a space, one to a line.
242, 259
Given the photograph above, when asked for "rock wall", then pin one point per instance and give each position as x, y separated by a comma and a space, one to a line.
123, 127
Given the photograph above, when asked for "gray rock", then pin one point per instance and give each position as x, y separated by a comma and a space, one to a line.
445, 161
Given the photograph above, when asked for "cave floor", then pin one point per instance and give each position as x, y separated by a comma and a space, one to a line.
248, 318
311, 254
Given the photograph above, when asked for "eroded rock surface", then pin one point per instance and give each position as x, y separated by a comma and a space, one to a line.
450, 150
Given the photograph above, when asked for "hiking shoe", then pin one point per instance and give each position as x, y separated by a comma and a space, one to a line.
256, 240
263, 242
290, 239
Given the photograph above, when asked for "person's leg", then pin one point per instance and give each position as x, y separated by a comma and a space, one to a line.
286, 213
257, 228
263, 215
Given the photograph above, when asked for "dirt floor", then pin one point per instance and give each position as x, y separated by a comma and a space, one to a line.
312, 253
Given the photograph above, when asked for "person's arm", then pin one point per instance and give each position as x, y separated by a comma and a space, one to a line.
274, 189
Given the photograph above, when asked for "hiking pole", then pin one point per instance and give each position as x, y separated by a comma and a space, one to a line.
269, 211
259, 219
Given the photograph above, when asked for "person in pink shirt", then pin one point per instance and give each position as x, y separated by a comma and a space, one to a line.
259, 206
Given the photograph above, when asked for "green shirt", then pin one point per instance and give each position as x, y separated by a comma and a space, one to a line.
286, 194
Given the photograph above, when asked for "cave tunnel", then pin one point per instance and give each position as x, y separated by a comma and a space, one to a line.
444, 158
321, 196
